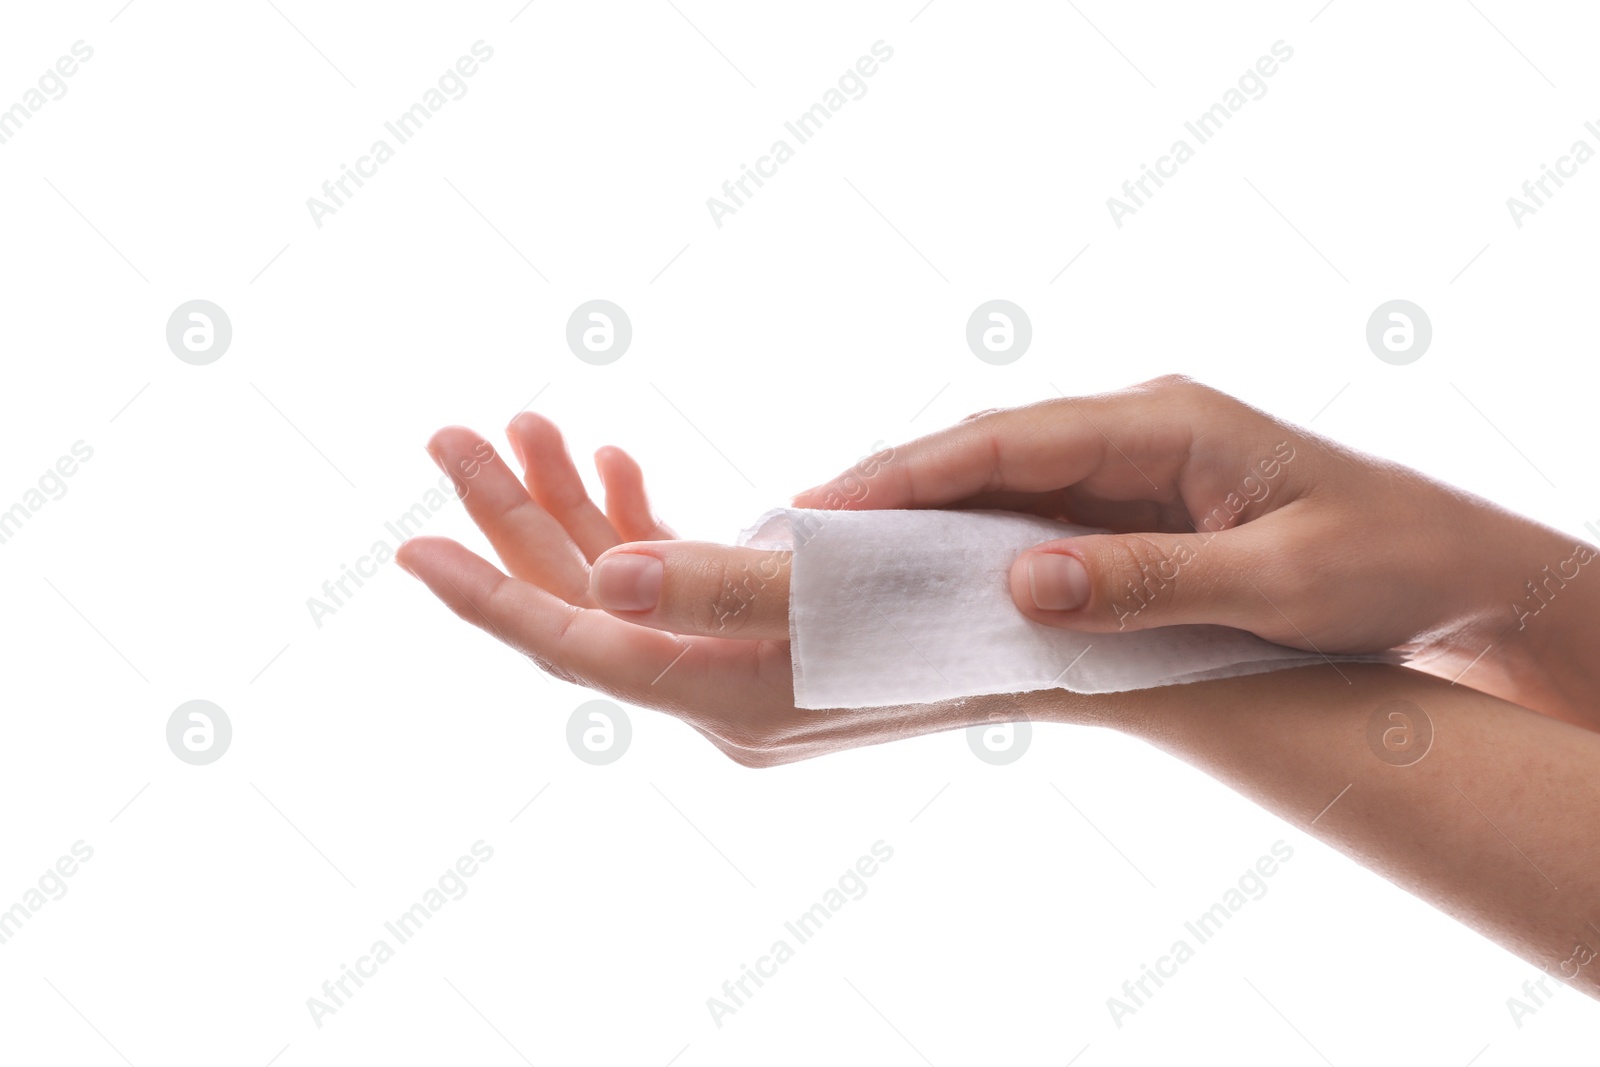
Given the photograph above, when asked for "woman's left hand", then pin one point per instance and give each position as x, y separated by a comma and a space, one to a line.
613, 601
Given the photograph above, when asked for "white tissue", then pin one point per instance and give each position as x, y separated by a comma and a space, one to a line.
911, 607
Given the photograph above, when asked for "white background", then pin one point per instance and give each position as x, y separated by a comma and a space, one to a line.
826, 315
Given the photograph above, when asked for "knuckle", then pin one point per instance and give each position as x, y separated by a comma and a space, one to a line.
765, 739
992, 440
747, 737
747, 749
706, 614
747, 758
556, 670
716, 606
1173, 383
563, 637
1183, 389
731, 609
1132, 574
1131, 556
1296, 573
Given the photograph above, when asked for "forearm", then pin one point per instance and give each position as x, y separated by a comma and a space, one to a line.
1494, 825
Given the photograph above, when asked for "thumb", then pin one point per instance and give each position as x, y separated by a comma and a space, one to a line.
1106, 583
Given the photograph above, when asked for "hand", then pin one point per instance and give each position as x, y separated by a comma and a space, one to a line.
612, 601
1223, 514
664, 639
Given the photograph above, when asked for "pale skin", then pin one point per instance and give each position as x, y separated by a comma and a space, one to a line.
1492, 825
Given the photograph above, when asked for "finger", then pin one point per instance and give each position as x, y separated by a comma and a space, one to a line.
693, 587
626, 503
1086, 509
1128, 445
583, 645
531, 543
1037, 448
555, 485
1104, 583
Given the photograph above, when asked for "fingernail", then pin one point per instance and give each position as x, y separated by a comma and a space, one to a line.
1058, 582
628, 582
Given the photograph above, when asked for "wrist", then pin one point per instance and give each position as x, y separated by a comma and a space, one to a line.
1128, 711
1540, 617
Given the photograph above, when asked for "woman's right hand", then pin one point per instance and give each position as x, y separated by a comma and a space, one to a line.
1224, 514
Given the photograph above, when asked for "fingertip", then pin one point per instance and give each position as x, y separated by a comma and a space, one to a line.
529, 434
1050, 581
608, 454
1017, 580
809, 498
619, 472
412, 555
530, 423
445, 434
